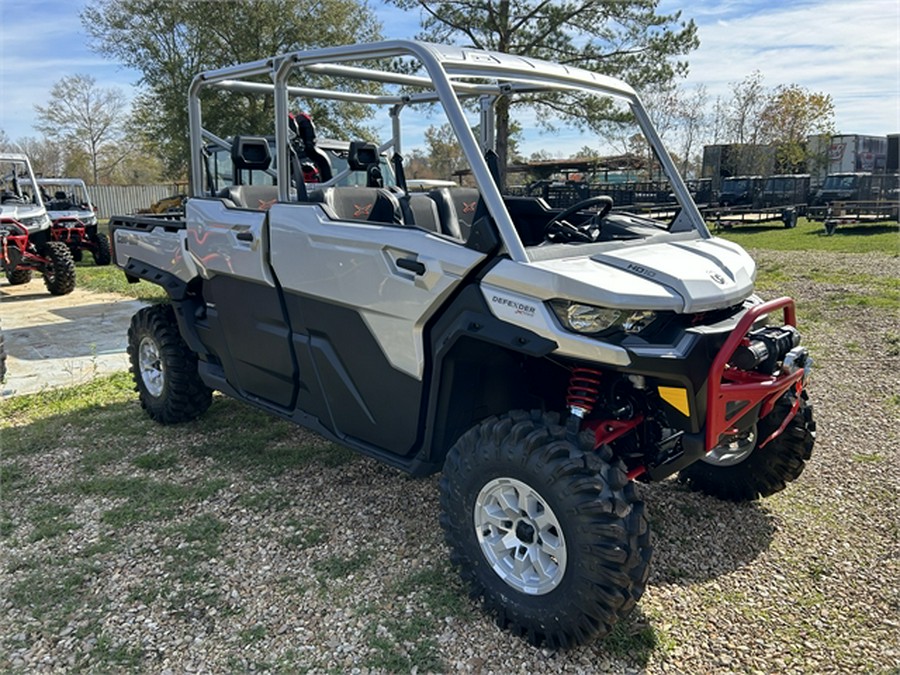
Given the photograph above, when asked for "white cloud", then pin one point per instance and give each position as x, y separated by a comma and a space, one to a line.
848, 50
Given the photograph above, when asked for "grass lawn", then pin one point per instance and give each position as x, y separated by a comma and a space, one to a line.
111, 279
811, 236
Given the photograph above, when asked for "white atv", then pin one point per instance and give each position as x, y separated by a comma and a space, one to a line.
26, 241
74, 218
541, 358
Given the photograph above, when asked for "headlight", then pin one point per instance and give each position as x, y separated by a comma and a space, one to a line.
588, 319
40, 222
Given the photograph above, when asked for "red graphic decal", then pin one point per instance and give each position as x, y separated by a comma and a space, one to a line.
362, 211
469, 207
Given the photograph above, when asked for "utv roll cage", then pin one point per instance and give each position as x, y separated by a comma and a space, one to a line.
455, 75
20, 170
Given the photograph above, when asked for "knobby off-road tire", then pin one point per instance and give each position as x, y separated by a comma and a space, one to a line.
102, 254
164, 368
18, 277
763, 471
59, 277
548, 532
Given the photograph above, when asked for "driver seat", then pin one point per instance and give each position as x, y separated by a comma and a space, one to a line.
304, 131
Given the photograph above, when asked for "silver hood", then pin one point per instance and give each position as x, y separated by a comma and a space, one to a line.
32, 216
687, 276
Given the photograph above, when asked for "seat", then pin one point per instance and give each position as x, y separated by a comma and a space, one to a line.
250, 153
304, 132
259, 197
363, 156
361, 204
421, 211
457, 208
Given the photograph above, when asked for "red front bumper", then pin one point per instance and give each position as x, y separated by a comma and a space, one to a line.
731, 392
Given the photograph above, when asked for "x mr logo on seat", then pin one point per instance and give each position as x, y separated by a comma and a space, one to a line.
362, 211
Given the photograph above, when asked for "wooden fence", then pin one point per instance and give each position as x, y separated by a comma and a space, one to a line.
120, 200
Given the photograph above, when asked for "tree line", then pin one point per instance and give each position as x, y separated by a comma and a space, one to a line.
91, 131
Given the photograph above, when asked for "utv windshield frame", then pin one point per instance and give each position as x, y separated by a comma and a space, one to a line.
452, 75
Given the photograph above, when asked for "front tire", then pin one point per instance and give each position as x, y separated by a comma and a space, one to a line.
18, 277
164, 368
547, 531
759, 472
59, 277
102, 253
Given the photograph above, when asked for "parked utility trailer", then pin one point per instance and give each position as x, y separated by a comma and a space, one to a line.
855, 213
725, 219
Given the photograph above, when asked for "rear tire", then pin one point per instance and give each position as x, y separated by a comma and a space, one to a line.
164, 368
59, 278
763, 471
102, 253
547, 531
18, 277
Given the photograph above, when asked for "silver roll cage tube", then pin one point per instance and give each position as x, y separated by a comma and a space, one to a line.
451, 71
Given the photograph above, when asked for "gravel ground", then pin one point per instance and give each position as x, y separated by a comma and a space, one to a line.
342, 568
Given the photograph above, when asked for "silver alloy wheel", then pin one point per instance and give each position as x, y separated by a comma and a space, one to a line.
153, 373
734, 451
520, 536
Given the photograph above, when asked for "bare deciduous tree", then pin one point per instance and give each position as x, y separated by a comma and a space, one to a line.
83, 115
47, 157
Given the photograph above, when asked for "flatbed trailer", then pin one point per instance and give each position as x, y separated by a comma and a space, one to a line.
726, 218
853, 213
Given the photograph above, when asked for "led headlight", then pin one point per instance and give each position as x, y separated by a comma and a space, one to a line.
41, 221
588, 319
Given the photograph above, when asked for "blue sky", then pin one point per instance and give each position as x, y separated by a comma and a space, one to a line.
847, 49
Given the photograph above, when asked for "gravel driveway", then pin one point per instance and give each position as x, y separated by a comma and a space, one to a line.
337, 564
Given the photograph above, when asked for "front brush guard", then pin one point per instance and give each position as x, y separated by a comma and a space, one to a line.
745, 390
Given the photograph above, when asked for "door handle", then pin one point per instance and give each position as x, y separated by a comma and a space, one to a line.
244, 235
411, 265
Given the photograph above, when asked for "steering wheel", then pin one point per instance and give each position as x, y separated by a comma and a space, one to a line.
570, 231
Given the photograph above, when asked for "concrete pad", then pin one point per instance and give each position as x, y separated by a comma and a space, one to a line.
59, 341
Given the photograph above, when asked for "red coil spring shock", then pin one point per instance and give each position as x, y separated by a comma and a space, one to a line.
583, 391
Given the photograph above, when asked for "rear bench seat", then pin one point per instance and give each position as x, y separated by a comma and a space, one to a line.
362, 204
259, 197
